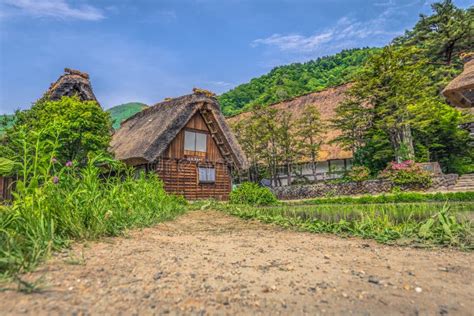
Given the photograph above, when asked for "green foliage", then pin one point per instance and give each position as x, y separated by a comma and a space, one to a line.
401, 197
6, 121
407, 173
6, 166
359, 174
121, 112
80, 127
286, 82
54, 204
252, 194
420, 223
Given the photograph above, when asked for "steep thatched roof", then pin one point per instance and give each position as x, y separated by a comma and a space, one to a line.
146, 135
326, 102
73, 82
460, 91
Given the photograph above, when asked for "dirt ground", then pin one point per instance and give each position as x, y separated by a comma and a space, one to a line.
206, 262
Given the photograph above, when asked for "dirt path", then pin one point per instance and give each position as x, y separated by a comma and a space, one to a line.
211, 263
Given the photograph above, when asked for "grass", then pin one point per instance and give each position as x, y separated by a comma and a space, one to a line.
428, 224
406, 197
55, 204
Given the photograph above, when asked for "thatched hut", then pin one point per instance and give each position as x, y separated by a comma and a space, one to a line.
187, 142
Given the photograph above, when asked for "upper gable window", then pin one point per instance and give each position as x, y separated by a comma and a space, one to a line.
195, 141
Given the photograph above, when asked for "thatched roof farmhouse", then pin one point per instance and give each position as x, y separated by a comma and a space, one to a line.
186, 141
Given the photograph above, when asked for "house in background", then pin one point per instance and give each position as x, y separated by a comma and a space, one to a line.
460, 91
333, 160
187, 142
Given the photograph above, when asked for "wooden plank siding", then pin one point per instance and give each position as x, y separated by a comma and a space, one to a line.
179, 168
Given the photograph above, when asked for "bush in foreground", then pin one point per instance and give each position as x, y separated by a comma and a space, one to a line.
55, 203
252, 194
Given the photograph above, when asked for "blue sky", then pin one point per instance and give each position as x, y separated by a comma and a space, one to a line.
146, 50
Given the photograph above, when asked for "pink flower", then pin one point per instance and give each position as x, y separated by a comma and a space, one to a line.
69, 163
55, 180
54, 160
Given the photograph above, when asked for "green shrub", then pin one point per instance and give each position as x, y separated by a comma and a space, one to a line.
432, 224
252, 194
359, 174
55, 203
408, 174
405, 197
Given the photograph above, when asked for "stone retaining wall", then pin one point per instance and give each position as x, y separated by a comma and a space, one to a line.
327, 189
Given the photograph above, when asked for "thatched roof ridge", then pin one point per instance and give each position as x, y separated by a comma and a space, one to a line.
72, 82
460, 91
143, 137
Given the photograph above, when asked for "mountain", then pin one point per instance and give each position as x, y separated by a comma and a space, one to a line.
122, 112
286, 82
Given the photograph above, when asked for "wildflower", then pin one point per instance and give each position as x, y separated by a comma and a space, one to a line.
55, 180
69, 163
54, 160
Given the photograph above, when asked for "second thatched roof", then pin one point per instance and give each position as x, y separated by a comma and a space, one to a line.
460, 91
142, 138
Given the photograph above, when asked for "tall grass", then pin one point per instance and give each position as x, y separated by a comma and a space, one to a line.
54, 204
421, 223
405, 197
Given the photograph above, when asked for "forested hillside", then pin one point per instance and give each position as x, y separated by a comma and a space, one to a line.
121, 112
286, 82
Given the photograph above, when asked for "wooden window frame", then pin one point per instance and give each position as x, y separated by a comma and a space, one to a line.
199, 152
206, 181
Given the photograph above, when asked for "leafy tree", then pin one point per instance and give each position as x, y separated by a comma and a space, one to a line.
354, 119
267, 120
287, 143
80, 127
309, 129
444, 34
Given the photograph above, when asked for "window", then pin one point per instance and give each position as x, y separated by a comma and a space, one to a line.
195, 141
207, 175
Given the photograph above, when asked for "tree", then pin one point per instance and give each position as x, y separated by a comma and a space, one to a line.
391, 82
308, 130
266, 119
287, 143
444, 34
81, 127
247, 134
354, 119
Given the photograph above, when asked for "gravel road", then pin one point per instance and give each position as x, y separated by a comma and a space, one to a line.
207, 262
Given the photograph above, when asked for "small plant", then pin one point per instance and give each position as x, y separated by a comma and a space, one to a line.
252, 194
407, 173
359, 174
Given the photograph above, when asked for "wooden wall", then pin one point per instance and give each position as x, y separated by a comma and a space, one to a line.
179, 169
181, 177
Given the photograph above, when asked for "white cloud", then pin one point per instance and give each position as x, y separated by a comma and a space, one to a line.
295, 42
343, 34
59, 9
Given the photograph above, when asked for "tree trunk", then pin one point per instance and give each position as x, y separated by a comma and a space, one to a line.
402, 143
288, 173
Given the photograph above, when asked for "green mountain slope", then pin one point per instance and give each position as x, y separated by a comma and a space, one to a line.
6, 120
285, 82
122, 112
